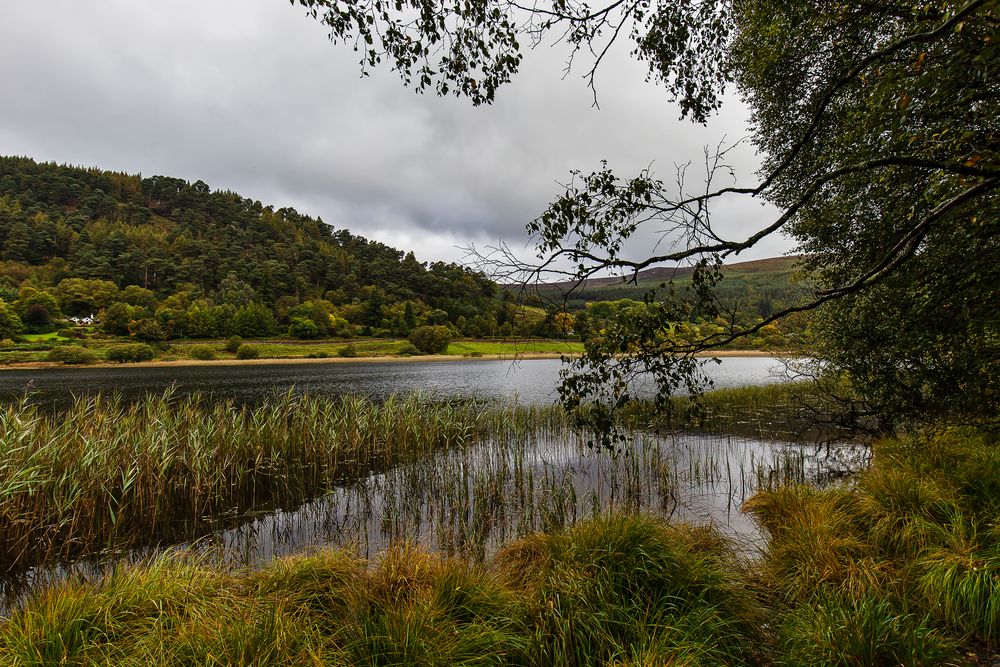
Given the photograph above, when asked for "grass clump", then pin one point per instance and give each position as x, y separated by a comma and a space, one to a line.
636, 590
617, 590
899, 567
836, 629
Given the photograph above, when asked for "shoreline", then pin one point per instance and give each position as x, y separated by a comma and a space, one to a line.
513, 356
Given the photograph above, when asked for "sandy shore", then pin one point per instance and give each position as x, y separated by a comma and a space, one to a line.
513, 356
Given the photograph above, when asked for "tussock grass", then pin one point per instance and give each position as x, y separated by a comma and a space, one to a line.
633, 589
105, 473
896, 568
837, 629
616, 590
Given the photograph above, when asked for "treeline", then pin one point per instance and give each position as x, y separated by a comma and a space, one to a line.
160, 258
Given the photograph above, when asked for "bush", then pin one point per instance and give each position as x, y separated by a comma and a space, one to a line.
70, 332
348, 351
202, 352
247, 352
407, 350
72, 355
233, 343
147, 329
431, 339
130, 352
302, 327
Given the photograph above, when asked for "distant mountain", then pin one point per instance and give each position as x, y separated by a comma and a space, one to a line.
758, 287
654, 276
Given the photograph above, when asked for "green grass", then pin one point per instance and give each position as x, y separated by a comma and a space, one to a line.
900, 566
514, 347
910, 548
34, 338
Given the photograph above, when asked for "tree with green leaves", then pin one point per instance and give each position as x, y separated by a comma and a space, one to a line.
10, 323
876, 123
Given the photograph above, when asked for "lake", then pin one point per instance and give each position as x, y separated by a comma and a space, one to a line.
468, 501
530, 381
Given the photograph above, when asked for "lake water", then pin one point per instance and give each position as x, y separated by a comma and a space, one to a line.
530, 381
471, 500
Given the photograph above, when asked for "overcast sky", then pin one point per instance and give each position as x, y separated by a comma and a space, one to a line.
250, 95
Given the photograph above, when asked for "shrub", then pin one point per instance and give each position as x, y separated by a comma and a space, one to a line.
146, 329
72, 355
302, 327
202, 352
130, 352
348, 351
233, 343
407, 350
247, 352
431, 339
70, 332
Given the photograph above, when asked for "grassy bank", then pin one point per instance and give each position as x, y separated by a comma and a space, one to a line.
108, 474
900, 567
37, 348
610, 591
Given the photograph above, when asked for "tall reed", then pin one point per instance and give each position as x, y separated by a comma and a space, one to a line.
106, 473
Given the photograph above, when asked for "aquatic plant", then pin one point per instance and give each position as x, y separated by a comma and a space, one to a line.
106, 473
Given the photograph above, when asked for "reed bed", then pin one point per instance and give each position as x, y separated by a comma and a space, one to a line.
109, 474
789, 411
470, 502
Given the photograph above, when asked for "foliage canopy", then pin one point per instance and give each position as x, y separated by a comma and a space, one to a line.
876, 123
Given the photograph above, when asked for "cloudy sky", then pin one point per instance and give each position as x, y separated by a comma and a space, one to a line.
250, 95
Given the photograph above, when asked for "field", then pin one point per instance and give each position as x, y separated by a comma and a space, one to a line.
36, 348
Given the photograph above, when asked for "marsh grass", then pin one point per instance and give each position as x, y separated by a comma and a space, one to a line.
897, 567
789, 411
111, 474
619, 588
909, 552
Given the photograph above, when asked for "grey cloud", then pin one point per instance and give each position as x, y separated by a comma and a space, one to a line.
249, 95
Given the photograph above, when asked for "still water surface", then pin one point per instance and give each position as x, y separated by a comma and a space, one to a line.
530, 381
470, 500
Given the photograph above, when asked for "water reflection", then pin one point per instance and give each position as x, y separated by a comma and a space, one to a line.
531, 381
471, 501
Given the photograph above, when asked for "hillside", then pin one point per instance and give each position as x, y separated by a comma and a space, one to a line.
760, 286
90, 239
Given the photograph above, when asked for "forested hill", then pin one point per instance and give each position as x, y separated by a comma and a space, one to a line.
216, 248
